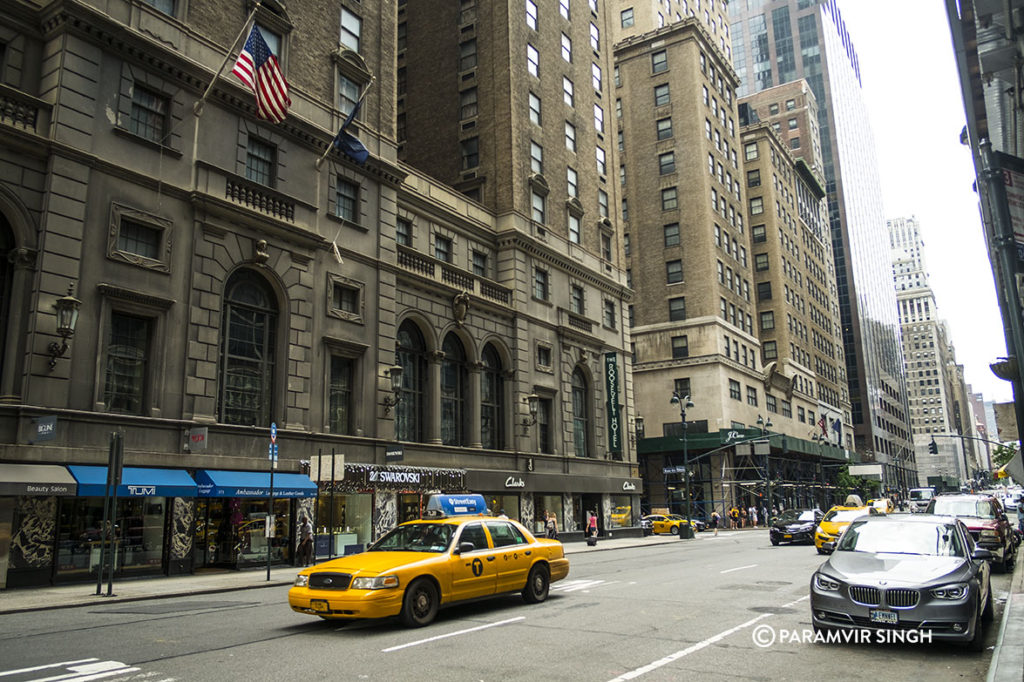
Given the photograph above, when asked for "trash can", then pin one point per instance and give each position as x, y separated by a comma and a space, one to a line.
686, 532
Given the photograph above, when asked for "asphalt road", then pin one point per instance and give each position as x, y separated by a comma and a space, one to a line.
687, 610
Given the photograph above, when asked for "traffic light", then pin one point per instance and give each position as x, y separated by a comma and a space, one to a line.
933, 447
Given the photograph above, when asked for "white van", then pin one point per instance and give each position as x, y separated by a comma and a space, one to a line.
919, 498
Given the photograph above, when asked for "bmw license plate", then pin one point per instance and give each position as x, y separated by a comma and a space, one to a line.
321, 605
887, 617
787, 537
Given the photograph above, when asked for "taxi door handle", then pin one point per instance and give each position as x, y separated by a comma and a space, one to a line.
491, 558
527, 552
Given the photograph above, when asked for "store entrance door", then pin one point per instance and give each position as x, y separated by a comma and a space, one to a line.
214, 543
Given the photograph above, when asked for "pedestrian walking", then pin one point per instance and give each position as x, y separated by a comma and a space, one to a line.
305, 548
752, 515
592, 524
550, 526
714, 521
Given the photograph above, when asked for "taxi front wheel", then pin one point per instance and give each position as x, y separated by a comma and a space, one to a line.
537, 585
420, 604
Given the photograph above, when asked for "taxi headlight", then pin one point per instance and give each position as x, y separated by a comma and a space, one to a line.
301, 581
950, 592
824, 583
380, 582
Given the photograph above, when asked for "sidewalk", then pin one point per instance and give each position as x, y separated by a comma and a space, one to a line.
160, 587
1008, 656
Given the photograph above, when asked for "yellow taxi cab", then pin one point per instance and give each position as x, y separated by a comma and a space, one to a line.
883, 504
837, 519
458, 553
665, 523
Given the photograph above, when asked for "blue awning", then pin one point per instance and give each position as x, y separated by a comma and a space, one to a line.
216, 483
135, 482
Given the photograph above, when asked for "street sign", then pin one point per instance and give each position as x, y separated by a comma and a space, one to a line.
273, 432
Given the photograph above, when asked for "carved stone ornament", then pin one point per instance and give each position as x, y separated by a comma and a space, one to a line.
262, 255
460, 307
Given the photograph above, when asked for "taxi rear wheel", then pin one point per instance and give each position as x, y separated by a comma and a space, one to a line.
537, 585
675, 530
420, 605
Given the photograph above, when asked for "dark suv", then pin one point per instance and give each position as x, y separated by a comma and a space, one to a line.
984, 517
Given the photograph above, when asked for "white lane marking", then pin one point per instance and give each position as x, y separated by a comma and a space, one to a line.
576, 585
796, 601
689, 650
738, 568
44, 667
91, 671
452, 634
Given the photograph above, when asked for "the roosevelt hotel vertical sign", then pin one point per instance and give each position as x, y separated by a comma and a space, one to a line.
611, 382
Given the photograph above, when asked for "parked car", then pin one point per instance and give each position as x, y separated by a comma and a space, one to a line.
795, 525
986, 521
883, 504
918, 572
665, 523
698, 524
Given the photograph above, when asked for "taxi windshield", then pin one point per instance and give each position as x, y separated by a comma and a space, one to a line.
415, 537
843, 515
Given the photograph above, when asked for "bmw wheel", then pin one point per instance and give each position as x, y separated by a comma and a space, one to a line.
420, 604
537, 585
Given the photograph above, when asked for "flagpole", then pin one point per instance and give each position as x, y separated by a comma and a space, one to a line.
197, 108
330, 146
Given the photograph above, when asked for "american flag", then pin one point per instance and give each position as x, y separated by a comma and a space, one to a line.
259, 69
821, 425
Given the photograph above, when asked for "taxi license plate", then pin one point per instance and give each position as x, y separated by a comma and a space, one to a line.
888, 617
787, 537
319, 605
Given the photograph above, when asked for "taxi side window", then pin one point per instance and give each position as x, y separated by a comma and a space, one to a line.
474, 532
505, 534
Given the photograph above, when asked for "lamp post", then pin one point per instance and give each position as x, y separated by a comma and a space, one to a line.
764, 426
685, 532
820, 439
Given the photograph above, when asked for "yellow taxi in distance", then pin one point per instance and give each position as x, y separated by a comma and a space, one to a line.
883, 504
420, 566
835, 522
665, 523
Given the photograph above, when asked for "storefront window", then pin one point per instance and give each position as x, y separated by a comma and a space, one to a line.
348, 518
497, 501
138, 536
231, 531
622, 511
543, 504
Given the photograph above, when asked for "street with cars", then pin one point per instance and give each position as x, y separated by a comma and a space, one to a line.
730, 606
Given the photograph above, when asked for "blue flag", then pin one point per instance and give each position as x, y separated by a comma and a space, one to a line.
349, 144
837, 426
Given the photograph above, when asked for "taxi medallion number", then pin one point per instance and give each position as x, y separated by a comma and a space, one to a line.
319, 605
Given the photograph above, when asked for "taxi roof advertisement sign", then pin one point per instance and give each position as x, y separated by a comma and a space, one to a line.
456, 505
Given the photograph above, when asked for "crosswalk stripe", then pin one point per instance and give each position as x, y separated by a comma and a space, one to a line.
576, 585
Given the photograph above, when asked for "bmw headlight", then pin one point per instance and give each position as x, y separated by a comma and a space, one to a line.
301, 581
824, 583
380, 582
950, 592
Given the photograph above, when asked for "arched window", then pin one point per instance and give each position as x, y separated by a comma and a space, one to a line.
412, 356
454, 377
492, 392
579, 414
249, 333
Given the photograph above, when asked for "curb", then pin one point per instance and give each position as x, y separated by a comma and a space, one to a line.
1008, 653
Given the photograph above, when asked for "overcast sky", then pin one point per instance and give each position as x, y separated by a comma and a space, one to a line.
913, 94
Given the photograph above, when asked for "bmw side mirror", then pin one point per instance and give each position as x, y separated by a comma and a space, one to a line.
981, 553
465, 547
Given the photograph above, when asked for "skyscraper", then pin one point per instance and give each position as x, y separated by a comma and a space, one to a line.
783, 40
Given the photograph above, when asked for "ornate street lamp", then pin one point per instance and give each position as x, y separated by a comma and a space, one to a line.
533, 403
67, 317
395, 374
685, 532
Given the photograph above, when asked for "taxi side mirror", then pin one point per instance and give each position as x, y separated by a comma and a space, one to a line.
980, 553
465, 547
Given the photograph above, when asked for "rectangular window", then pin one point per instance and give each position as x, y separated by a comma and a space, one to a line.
345, 298
734, 389
602, 167
750, 151
568, 92
664, 128
142, 240
572, 181
626, 17
339, 400
403, 232
595, 77
536, 157
671, 234
480, 264
599, 118
543, 356
348, 95
347, 201
751, 393
531, 14
538, 207
595, 38
570, 136
754, 178
563, 8
756, 205
606, 247
609, 314
680, 347
764, 291
443, 248
787, 409
540, 284
468, 104
532, 60
667, 163
769, 402
467, 55
757, 233
470, 150
535, 109
259, 162
602, 203
576, 299
149, 114
674, 271
127, 360
659, 61
661, 95
566, 48
351, 30
677, 308
669, 199
767, 320
760, 262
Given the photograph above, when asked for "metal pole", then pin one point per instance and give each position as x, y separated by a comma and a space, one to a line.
768, 472
686, 465
270, 513
114, 475
103, 527
330, 531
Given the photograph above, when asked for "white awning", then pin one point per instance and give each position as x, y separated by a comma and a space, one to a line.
37, 479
